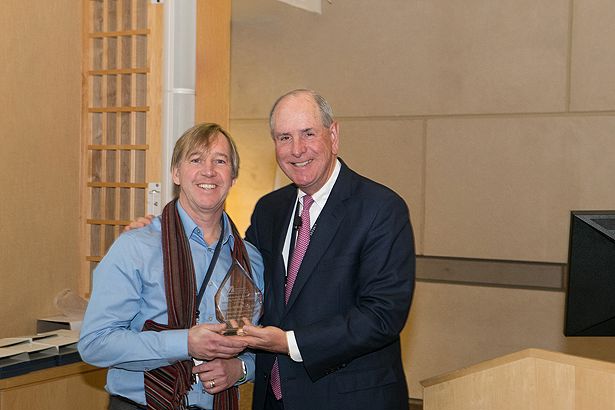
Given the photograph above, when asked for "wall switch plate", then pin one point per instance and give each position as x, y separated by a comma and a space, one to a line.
154, 198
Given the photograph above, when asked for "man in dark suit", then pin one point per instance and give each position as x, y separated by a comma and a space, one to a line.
330, 335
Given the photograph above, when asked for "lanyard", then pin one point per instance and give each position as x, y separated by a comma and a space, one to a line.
296, 225
210, 270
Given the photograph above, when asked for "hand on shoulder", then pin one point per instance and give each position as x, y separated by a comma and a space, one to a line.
140, 222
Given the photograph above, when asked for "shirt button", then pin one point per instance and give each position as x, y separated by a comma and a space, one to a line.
210, 318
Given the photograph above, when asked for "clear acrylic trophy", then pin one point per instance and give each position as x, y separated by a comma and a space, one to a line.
238, 298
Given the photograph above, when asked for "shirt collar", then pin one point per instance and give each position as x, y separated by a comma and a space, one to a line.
193, 231
320, 197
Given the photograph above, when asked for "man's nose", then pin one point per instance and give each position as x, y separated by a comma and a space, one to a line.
298, 146
207, 169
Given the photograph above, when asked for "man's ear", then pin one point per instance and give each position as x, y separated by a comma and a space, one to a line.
175, 175
334, 134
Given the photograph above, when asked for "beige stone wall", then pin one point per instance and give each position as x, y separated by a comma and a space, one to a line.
257, 170
40, 79
492, 102
493, 119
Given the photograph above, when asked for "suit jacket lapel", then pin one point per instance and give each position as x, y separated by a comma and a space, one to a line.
281, 221
327, 224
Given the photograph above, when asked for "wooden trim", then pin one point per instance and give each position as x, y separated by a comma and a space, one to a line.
134, 62
155, 95
117, 109
213, 61
112, 222
126, 33
83, 278
118, 147
117, 185
488, 272
46, 375
139, 70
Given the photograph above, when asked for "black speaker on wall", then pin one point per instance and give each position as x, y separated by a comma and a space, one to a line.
590, 294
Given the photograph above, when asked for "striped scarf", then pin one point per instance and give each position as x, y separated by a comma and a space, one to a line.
166, 388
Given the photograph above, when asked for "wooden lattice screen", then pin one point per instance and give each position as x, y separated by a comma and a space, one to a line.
122, 100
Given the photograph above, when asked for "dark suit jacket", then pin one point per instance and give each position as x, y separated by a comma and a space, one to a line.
350, 300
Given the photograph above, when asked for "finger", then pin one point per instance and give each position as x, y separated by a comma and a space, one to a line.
214, 365
228, 347
216, 389
229, 352
209, 386
231, 342
256, 331
249, 329
214, 327
218, 328
219, 383
221, 352
198, 369
205, 367
254, 342
209, 375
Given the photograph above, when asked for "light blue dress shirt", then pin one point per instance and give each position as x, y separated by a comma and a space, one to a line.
128, 289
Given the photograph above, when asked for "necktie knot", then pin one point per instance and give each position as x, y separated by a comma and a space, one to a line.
307, 203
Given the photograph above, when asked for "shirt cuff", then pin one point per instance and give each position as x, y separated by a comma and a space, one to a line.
293, 348
177, 344
248, 359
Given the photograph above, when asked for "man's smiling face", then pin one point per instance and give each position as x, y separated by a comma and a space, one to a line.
205, 177
305, 149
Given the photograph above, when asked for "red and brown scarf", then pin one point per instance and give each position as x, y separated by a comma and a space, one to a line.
166, 388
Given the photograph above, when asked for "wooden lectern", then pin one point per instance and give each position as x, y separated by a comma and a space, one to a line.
531, 379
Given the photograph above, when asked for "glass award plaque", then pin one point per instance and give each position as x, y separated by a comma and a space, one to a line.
237, 298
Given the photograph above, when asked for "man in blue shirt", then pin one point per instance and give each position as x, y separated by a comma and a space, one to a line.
131, 287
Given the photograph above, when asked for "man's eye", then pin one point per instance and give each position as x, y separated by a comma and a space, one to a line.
195, 161
283, 138
220, 161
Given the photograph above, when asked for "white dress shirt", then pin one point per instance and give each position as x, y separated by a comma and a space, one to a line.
320, 199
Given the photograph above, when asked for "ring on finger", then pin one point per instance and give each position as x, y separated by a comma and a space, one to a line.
212, 383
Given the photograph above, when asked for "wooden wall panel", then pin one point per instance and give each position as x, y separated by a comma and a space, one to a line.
213, 61
39, 158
